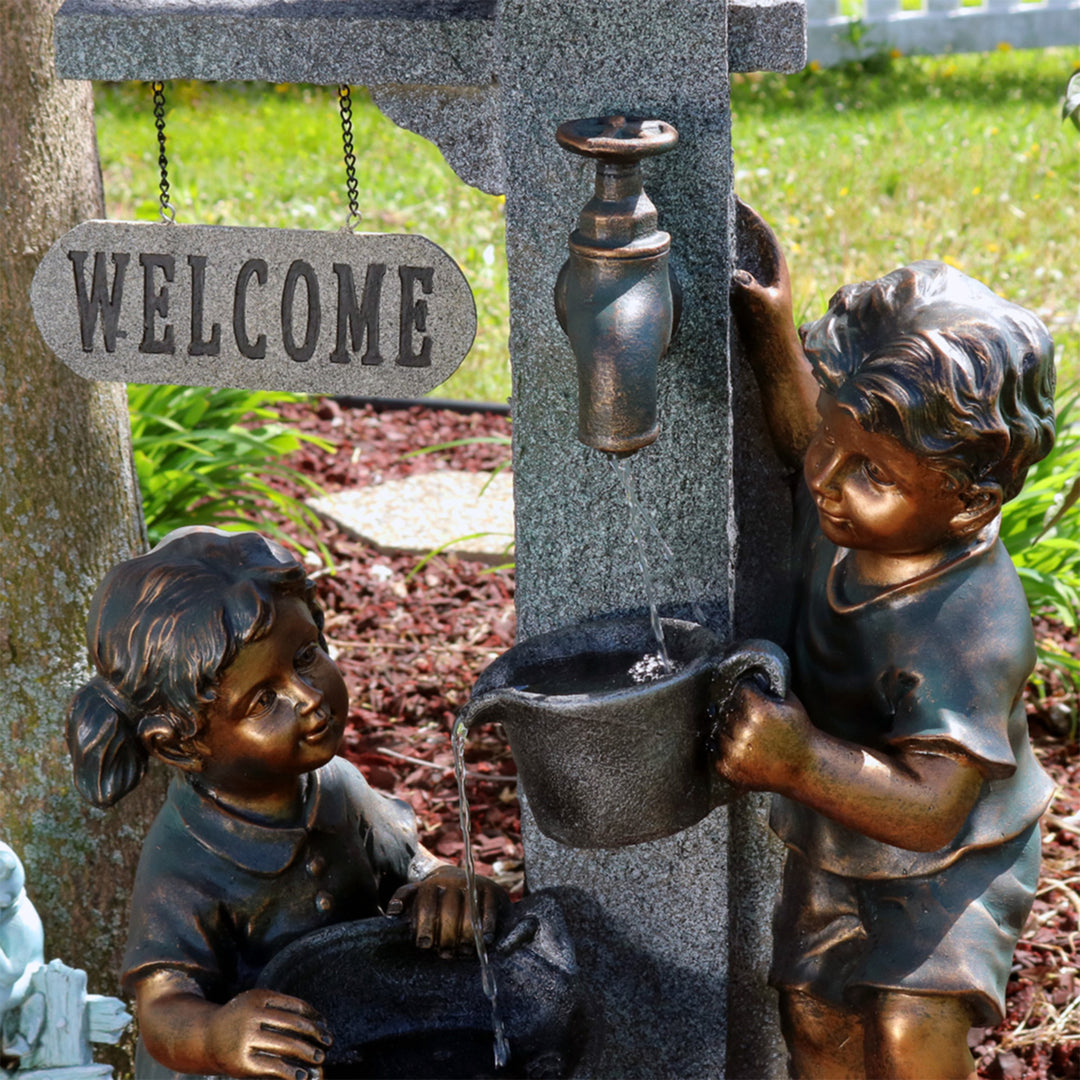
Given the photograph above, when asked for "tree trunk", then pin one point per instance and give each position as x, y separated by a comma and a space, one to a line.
69, 510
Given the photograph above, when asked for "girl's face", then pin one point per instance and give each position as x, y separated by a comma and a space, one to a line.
279, 712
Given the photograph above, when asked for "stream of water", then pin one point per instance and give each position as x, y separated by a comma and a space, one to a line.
642, 523
637, 514
487, 975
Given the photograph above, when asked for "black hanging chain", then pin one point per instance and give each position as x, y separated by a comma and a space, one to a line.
168, 211
345, 104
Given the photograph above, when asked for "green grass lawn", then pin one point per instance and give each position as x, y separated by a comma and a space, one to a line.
860, 169
961, 158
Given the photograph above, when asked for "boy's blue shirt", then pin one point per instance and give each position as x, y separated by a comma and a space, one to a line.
938, 664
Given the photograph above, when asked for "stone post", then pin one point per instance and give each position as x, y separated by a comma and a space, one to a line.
653, 921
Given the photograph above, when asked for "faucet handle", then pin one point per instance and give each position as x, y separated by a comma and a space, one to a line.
623, 139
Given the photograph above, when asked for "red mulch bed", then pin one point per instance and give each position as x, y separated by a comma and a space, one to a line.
411, 647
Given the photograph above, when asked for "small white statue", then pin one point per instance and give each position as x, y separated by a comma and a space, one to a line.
47, 1019
21, 938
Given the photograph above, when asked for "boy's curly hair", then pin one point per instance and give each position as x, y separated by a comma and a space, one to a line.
162, 628
946, 366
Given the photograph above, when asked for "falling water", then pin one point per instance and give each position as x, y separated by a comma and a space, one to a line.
637, 518
642, 522
487, 975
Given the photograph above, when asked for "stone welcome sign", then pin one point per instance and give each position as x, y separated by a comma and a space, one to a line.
342, 313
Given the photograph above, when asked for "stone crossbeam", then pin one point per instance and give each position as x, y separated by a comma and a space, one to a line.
360, 42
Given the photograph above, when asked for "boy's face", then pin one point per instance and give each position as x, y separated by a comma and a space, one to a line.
874, 494
280, 708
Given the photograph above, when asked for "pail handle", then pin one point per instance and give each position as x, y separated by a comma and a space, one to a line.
756, 658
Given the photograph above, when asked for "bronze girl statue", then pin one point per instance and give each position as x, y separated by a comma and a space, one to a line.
210, 657
906, 789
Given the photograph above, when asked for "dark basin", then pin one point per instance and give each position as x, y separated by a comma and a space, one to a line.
400, 1012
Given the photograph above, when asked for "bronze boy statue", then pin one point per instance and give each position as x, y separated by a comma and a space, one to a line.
906, 789
210, 657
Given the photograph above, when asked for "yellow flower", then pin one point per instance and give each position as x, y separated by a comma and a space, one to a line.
814, 66
895, 54
952, 261
991, 248
1004, 46
976, 190
843, 192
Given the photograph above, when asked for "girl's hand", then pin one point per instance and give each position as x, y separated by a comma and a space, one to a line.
258, 1033
763, 742
439, 912
266, 1034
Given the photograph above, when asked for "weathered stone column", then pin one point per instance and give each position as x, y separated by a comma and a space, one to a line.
654, 920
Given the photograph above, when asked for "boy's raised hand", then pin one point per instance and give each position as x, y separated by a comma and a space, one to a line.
761, 284
439, 912
763, 742
761, 305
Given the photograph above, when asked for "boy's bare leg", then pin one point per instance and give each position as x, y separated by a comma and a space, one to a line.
825, 1042
918, 1037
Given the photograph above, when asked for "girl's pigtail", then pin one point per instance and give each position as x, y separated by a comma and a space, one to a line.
106, 754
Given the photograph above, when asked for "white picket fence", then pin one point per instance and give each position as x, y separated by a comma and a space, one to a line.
940, 26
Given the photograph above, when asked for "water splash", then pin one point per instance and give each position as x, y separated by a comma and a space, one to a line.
487, 975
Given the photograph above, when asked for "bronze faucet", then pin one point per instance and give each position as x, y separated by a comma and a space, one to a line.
616, 297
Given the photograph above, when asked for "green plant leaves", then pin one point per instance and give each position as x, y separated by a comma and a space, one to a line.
203, 458
1041, 531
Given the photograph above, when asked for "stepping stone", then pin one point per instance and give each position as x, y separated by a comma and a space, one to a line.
427, 511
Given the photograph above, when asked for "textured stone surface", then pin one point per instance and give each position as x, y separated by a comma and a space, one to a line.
660, 913
427, 511
142, 302
365, 42
767, 35
444, 43
463, 121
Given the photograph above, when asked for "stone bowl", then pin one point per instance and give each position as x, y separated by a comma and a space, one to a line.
606, 762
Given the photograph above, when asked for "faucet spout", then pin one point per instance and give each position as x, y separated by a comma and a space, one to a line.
616, 297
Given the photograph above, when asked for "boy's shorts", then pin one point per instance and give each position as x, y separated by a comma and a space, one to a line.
947, 933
